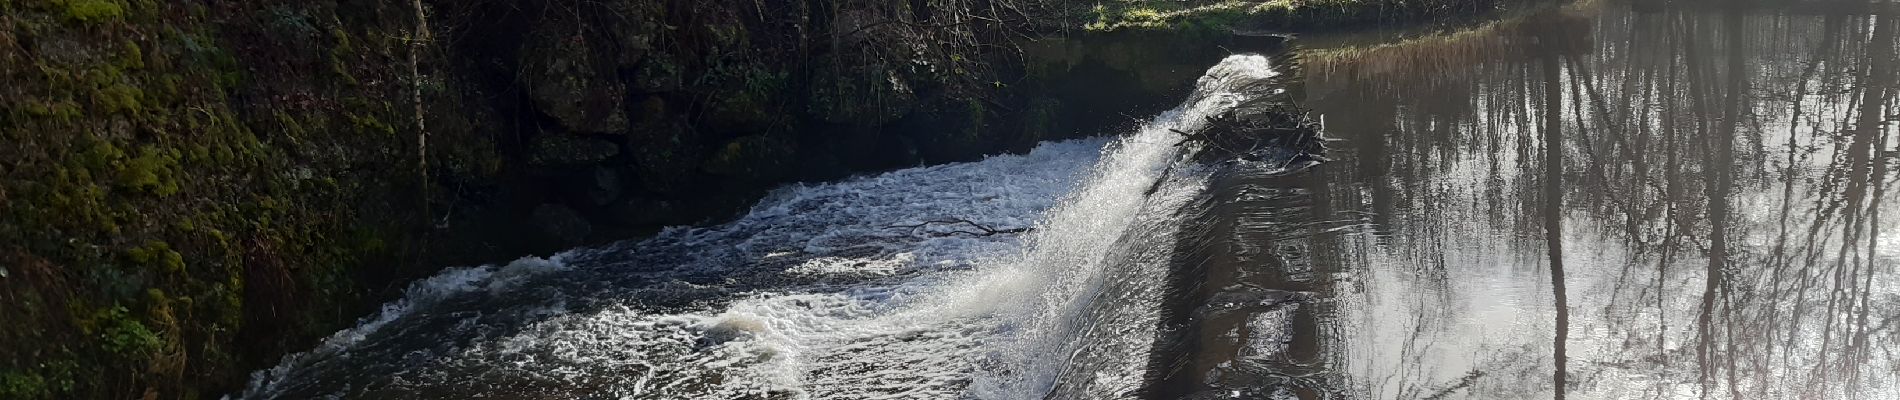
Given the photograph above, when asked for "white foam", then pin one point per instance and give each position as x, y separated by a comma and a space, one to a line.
418, 295
1066, 267
816, 293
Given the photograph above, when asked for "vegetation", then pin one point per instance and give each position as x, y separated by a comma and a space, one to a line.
162, 201
1274, 15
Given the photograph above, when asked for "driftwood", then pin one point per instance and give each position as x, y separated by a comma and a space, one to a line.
1267, 127
985, 230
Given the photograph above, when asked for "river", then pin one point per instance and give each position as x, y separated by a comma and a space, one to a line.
1595, 202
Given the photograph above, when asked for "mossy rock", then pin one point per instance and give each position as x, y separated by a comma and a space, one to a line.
92, 11
567, 81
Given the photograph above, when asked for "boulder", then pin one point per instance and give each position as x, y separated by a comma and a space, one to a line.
565, 79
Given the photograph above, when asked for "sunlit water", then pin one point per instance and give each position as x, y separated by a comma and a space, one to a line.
909, 284
1718, 203
1749, 147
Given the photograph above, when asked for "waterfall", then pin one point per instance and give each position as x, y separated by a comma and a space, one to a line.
841, 290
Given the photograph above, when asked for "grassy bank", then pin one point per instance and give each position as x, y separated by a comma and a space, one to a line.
1277, 15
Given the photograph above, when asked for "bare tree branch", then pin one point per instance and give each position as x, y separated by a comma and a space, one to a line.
985, 230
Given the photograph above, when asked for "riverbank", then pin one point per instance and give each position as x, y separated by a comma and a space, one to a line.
191, 190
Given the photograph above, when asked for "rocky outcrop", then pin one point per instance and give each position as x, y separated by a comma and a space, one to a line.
571, 82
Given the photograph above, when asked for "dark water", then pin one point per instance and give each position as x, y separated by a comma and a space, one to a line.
1659, 203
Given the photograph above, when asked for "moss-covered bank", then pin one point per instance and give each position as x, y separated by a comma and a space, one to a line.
190, 189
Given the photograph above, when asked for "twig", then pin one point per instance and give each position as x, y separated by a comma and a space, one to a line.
986, 231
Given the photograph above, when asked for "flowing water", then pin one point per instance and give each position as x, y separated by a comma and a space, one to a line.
1622, 203
1010, 277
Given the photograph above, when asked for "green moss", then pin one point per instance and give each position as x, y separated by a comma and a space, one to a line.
23, 385
1199, 18
133, 57
158, 254
370, 124
339, 56
123, 335
120, 99
61, 111
100, 155
228, 305
93, 11
75, 200
288, 124
151, 172
55, 375
203, 54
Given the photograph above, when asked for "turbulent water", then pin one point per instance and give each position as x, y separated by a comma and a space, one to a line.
1019, 276
1603, 201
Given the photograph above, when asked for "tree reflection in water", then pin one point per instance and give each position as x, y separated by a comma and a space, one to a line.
1713, 181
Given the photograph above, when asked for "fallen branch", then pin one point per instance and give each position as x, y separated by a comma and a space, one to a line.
986, 231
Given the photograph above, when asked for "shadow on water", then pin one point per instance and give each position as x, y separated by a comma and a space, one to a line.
1683, 201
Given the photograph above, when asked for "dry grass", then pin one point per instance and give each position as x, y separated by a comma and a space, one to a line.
1442, 53
1273, 14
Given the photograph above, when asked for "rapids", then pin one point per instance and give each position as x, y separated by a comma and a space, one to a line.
1018, 276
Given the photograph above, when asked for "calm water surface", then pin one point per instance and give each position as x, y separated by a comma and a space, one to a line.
1659, 203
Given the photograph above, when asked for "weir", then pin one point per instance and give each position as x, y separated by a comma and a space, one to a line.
838, 290
1246, 296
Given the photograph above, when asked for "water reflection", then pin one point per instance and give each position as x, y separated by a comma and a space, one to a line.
1708, 185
